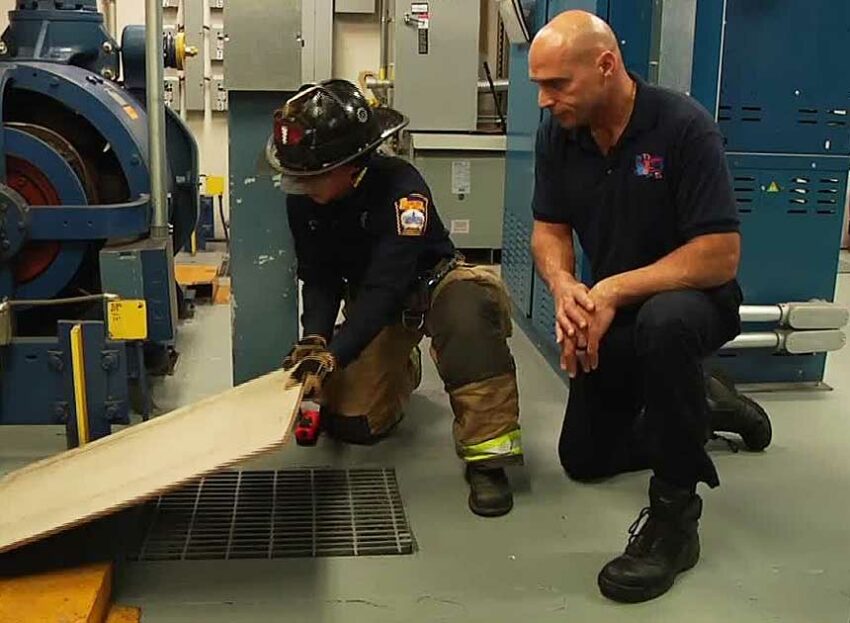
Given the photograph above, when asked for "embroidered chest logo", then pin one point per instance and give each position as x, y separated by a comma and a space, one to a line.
412, 215
647, 165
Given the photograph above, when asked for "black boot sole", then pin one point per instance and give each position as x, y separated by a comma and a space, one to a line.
488, 511
752, 446
638, 594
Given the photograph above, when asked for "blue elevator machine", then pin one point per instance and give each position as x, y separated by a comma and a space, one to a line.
784, 116
75, 215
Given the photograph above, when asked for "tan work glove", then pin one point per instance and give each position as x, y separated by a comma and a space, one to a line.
307, 345
312, 371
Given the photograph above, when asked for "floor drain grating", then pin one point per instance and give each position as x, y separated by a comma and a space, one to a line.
278, 514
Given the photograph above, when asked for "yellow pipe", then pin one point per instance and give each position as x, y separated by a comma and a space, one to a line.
78, 366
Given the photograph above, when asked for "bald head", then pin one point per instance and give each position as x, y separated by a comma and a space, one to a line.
577, 34
576, 62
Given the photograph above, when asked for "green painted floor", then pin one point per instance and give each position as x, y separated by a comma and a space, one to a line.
776, 535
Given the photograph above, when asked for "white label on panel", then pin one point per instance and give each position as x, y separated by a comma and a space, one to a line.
461, 177
419, 7
460, 226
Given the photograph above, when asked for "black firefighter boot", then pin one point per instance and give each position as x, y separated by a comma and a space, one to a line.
489, 490
732, 412
663, 547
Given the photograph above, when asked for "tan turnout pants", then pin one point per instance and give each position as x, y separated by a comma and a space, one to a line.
469, 322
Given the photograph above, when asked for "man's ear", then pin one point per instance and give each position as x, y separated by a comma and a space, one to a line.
607, 63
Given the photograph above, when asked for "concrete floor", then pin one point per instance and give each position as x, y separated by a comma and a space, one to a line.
776, 535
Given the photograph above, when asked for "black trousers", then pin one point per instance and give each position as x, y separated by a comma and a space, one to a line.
644, 406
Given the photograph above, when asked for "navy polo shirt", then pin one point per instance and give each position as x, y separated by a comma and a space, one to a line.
665, 182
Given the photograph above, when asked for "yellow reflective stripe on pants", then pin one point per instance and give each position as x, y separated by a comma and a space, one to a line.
509, 444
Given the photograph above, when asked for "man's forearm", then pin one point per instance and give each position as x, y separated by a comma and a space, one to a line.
704, 262
554, 256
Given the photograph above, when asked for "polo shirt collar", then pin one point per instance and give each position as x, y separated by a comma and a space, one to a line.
644, 117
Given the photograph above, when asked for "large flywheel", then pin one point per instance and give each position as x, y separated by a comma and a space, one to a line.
35, 187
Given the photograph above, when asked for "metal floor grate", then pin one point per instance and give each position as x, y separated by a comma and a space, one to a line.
278, 514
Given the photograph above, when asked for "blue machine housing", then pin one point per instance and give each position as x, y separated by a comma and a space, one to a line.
81, 139
785, 121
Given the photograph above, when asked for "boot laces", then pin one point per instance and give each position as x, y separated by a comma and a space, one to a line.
637, 527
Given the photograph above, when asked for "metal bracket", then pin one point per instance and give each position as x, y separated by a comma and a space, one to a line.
6, 330
218, 40
218, 94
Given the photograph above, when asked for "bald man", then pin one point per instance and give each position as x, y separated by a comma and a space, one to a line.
639, 174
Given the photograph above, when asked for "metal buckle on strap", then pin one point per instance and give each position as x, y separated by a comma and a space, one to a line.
441, 270
412, 320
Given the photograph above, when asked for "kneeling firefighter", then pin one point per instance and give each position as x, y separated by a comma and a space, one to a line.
367, 234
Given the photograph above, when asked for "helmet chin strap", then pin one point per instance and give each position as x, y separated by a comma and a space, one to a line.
355, 182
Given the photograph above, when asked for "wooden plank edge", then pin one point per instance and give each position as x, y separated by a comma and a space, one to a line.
124, 506
124, 614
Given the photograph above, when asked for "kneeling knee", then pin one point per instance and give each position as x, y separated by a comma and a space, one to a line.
663, 322
583, 469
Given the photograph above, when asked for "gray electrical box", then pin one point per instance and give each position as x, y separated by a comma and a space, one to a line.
436, 63
195, 85
466, 174
217, 43
218, 94
263, 48
354, 6
171, 92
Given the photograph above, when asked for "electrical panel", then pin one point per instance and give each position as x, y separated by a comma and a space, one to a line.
171, 92
195, 72
260, 32
436, 42
218, 94
217, 42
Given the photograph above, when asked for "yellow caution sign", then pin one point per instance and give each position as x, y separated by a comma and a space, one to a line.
774, 188
214, 185
127, 319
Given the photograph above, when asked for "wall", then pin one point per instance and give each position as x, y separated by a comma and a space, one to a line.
357, 45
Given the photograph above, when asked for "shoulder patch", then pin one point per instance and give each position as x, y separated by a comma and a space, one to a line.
412, 215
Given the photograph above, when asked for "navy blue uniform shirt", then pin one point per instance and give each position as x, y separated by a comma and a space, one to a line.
374, 243
664, 183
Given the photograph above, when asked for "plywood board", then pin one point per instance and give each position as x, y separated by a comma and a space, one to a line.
79, 595
145, 460
123, 614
